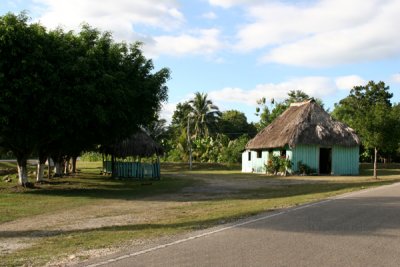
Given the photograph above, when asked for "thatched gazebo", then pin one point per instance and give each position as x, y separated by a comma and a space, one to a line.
124, 159
305, 133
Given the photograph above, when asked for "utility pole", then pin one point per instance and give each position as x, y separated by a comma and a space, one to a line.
189, 144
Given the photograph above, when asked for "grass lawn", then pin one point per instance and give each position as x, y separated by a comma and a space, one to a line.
88, 213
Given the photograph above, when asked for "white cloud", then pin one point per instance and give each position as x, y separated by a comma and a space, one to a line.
122, 17
315, 86
118, 16
210, 15
324, 33
167, 111
231, 3
202, 42
396, 78
348, 82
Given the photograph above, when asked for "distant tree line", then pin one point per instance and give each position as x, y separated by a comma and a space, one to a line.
65, 92
215, 136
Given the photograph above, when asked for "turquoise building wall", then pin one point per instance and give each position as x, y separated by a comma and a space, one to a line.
345, 160
307, 154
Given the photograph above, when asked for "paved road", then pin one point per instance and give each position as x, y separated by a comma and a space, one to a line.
360, 229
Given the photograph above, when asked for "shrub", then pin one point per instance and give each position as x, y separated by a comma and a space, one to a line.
304, 168
278, 164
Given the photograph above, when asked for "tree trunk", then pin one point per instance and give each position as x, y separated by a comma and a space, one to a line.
375, 159
40, 168
57, 168
22, 172
40, 172
48, 168
66, 165
74, 158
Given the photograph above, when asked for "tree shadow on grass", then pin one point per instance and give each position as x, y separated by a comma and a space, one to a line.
172, 190
198, 186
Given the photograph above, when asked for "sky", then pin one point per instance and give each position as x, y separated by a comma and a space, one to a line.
238, 51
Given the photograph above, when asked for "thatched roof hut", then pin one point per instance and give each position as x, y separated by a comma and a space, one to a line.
139, 144
304, 123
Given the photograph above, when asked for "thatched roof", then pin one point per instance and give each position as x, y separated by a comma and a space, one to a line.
140, 144
304, 123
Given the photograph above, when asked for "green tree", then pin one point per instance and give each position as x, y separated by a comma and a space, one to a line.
369, 111
234, 124
177, 144
71, 92
196, 120
232, 152
23, 64
204, 115
180, 116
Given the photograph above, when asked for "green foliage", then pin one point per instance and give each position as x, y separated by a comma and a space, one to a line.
62, 92
200, 115
277, 164
91, 156
304, 168
181, 113
369, 111
234, 124
209, 149
178, 144
203, 115
6, 154
232, 153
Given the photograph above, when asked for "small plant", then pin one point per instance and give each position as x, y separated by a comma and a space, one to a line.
304, 169
286, 165
278, 164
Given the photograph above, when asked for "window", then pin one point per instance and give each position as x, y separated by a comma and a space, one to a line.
259, 154
249, 155
283, 153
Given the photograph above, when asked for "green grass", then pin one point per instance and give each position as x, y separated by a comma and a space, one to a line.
5, 164
178, 212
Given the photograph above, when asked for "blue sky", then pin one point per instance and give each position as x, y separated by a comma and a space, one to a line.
238, 51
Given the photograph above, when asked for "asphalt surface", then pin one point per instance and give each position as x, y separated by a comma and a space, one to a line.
359, 229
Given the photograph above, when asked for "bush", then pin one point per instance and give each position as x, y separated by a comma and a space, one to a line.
304, 168
232, 153
278, 164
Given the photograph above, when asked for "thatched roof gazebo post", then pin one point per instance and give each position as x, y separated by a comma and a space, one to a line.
137, 146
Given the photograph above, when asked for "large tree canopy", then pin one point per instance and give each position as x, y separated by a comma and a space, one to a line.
63, 92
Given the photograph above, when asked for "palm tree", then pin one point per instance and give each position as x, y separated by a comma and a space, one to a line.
204, 115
